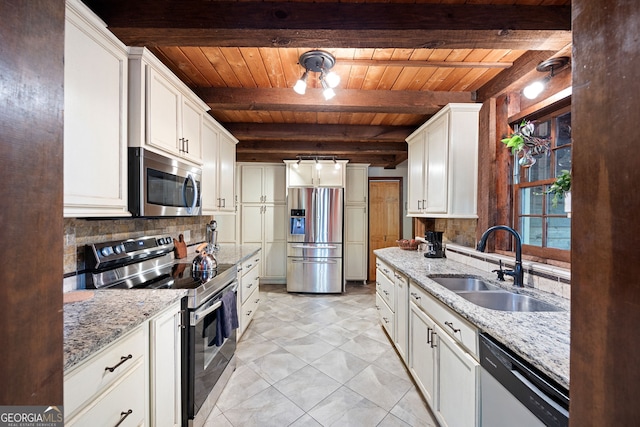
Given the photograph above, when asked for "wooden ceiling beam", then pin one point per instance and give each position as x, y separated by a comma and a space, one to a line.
316, 147
346, 100
280, 132
387, 161
336, 25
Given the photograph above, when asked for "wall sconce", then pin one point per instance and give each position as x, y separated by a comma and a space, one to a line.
321, 62
534, 89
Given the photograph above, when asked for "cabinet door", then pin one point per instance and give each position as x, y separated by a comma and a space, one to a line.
457, 384
301, 175
356, 189
422, 360
227, 229
95, 122
227, 174
191, 145
402, 315
209, 169
274, 184
355, 243
251, 191
252, 224
274, 265
163, 106
329, 175
436, 180
415, 184
165, 366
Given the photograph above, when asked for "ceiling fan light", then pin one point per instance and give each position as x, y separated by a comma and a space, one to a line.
333, 79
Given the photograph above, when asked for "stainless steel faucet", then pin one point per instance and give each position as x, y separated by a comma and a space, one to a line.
517, 273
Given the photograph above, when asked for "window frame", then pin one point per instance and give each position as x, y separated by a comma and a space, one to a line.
542, 252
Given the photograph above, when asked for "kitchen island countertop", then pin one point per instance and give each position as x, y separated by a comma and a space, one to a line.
540, 338
100, 317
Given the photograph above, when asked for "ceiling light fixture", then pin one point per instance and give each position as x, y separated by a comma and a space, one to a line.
321, 62
534, 89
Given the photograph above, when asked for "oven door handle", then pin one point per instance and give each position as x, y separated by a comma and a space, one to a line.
195, 192
198, 316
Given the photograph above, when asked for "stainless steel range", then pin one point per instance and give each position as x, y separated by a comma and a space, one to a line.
147, 263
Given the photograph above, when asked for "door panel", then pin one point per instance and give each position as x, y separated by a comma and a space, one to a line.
384, 217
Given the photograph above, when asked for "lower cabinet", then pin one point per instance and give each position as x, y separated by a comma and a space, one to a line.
248, 291
134, 381
165, 368
401, 340
447, 372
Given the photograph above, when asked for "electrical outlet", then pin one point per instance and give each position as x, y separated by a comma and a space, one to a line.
187, 235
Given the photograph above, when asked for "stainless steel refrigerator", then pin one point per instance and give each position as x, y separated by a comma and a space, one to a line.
314, 242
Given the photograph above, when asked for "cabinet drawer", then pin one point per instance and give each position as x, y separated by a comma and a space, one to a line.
92, 377
461, 330
126, 394
385, 315
250, 282
385, 287
249, 308
384, 268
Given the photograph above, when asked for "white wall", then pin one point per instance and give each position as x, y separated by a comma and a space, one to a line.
399, 171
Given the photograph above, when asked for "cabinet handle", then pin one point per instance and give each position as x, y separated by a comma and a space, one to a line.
187, 141
378, 307
224, 203
419, 204
416, 296
429, 330
385, 292
433, 340
249, 266
250, 286
123, 416
257, 301
249, 312
385, 320
122, 360
450, 324
385, 270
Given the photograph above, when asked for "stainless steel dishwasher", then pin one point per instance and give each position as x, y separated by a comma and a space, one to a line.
515, 394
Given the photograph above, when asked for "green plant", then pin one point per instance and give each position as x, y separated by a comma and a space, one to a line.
561, 186
523, 139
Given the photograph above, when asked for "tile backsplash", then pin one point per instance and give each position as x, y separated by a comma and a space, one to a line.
80, 232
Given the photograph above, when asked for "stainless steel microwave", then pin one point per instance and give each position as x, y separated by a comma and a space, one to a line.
161, 186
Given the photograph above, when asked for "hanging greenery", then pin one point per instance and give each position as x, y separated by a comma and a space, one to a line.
524, 141
560, 187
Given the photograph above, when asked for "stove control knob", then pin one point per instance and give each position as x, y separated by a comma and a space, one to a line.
106, 251
118, 249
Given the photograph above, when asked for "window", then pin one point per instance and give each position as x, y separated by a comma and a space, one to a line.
545, 228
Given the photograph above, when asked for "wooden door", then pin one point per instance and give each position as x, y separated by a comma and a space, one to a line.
385, 226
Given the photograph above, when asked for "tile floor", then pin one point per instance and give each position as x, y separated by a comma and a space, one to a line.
318, 360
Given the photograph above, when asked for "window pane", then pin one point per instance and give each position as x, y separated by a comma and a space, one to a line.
531, 201
531, 230
563, 160
563, 130
559, 208
540, 169
543, 129
559, 233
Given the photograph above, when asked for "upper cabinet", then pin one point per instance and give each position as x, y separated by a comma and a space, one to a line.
164, 114
443, 164
311, 173
218, 169
95, 117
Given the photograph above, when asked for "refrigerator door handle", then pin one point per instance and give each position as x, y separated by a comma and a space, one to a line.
314, 261
314, 247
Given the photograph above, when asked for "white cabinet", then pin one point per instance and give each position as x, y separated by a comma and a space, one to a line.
443, 164
110, 386
265, 225
356, 221
165, 368
443, 359
385, 298
311, 173
263, 184
218, 169
401, 339
263, 209
165, 116
95, 117
249, 291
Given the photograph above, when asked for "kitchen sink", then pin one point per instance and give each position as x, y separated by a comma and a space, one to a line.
463, 283
506, 301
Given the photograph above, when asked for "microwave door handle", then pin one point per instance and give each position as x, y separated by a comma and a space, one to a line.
195, 191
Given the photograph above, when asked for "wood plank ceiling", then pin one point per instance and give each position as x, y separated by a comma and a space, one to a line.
399, 61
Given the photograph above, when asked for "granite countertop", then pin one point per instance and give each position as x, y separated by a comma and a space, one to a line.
99, 317
540, 338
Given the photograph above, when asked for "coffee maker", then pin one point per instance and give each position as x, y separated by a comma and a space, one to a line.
434, 244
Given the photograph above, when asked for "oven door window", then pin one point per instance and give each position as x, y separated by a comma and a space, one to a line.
165, 189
